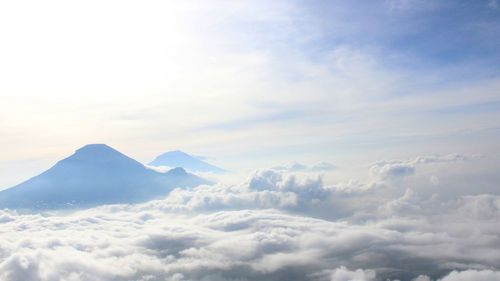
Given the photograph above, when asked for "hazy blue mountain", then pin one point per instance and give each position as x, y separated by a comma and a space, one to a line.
95, 174
180, 159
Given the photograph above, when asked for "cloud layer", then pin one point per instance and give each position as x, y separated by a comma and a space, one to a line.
272, 226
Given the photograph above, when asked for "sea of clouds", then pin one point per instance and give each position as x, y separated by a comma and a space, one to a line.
429, 218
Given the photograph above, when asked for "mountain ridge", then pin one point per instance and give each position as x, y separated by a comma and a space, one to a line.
95, 174
178, 158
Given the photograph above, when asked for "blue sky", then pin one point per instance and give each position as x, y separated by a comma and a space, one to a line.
247, 82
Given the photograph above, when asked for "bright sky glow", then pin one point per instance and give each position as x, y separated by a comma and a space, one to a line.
248, 82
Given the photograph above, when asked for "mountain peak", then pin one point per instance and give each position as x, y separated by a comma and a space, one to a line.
175, 152
99, 155
178, 171
177, 158
95, 148
96, 151
95, 174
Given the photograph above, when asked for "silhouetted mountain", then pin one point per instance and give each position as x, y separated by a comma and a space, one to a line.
180, 159
95, 174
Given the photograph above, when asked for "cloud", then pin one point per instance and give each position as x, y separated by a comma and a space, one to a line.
472, 275
306, 188
394, 169
160, 169
295, 166
382, 193
343, 274
264, 188
323, 166
145, 242
466, 275
274, 225
291, 167
406, 204
436, 158
482, 206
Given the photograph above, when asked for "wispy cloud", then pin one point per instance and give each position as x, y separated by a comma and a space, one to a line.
315, 74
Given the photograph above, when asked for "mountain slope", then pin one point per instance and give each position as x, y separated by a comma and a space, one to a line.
95, 174
178, 158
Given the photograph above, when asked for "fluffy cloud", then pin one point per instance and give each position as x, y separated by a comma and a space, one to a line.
343, 274
306, 188
142, 242
393, 169
472, 275
263, 189
272, 226
467, 275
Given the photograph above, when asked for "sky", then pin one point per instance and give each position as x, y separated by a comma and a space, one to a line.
247, 82
362, 137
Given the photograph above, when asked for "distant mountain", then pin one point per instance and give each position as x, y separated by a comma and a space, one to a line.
180, 159
95, 174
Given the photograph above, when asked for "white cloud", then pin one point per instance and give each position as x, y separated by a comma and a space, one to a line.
472, 275
466, 275
144, 241
262, 229
343, 274
323, 166
291, 167
436, 158
295, 166
160, 169
394, 169
422, 278
407, 204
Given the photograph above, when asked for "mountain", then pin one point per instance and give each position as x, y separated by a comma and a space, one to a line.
95, 174
180, 159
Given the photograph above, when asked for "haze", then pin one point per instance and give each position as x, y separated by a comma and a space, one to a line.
358, 140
